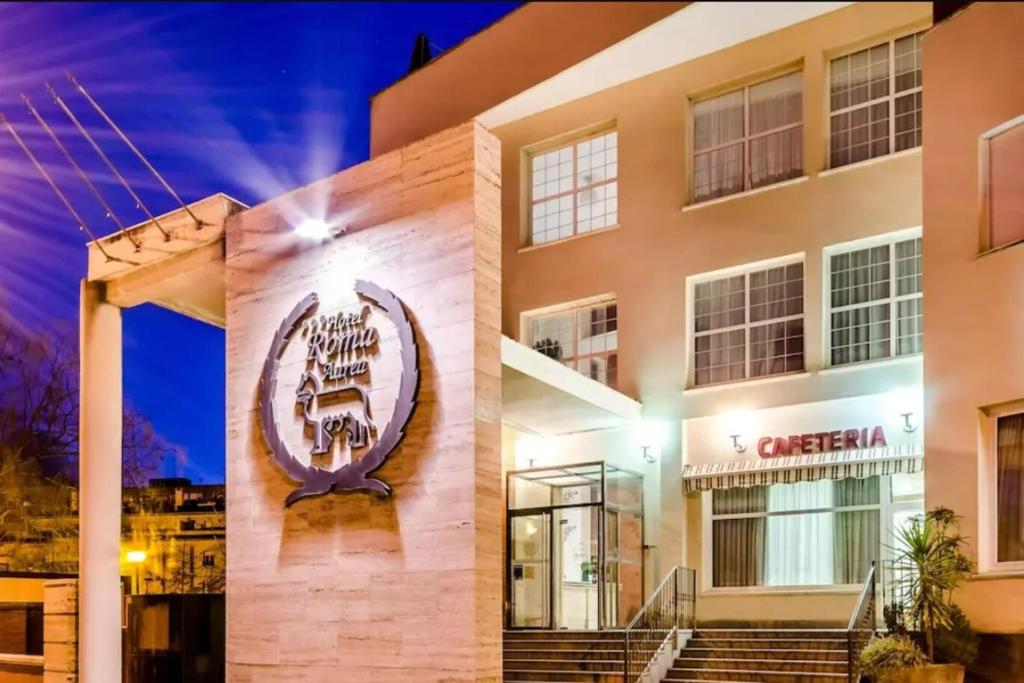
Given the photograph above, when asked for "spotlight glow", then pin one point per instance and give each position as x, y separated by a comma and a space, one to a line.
313, 229
136, 556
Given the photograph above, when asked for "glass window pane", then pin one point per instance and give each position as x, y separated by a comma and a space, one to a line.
908, 62
719, 303
776, 103
718, 121
908, 121
860, 276
720, 357
1005, 196
909, 326
1010, 488
718, 172
908, 267
776, 292
776, 157
553, 336
860, 334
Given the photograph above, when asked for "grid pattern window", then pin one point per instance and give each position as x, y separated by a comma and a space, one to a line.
749, 325
1002, 159
875, 101
876, 305
1010, 488
574, 189
813, 533
748, 138
585, 339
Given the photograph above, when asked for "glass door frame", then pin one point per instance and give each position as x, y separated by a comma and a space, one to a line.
603, 505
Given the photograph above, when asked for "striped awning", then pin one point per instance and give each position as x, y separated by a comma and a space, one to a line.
859, 463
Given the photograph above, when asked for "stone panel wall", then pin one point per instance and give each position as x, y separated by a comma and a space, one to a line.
351, 587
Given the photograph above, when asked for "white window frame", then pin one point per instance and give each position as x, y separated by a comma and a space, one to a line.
526, 319
985, 183
708, 539
988, 503
562, 143
745, 140
691, 322
890, 98
826, 295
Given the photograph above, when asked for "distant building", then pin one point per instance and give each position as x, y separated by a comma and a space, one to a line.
172, 529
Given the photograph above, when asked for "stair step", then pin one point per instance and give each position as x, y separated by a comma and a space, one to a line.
720, 643
563, 654
798, 665
794, 633
765, 653
675, 675
510, 675
599, 666
556, 645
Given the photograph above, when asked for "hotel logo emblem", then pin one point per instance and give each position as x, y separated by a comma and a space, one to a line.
331, 393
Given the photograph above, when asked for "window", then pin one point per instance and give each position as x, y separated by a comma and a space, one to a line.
749, 325
1010, 488
876, 305
209, 560
585, 339
748, 138
876, 101
574, 189
1002, 157
812, 533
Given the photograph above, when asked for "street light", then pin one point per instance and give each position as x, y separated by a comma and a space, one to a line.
137, 557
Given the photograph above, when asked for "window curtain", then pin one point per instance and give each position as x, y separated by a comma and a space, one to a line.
856, 533
800, 546
1010, 483
776, 104
718, 169
739, 546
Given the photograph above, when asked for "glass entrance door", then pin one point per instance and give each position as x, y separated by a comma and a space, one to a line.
530, 563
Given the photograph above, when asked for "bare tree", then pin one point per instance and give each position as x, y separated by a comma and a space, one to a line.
39, 449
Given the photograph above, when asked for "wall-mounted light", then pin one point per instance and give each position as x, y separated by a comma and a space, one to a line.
650, 436
908, 425
737, 446
136, 556
313, 229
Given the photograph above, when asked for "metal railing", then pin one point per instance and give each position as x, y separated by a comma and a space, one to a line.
671, 607
862, 625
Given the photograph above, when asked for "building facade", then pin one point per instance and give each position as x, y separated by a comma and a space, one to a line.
733, 234
974, 265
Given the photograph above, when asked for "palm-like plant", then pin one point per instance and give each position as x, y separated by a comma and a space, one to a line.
930, 564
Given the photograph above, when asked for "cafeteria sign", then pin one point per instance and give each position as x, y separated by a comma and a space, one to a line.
331, 393
820, 442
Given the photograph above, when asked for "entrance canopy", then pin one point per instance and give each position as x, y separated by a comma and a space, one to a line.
542, 396
859, 463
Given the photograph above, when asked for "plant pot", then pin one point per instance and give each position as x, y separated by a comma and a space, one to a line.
929, 673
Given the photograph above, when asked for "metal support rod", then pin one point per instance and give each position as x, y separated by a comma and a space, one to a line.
133, 148
53, 186
78, 170
106, 160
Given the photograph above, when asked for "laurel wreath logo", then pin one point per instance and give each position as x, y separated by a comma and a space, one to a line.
355, 475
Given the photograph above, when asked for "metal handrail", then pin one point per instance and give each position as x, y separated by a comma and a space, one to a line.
861, 621
670, 608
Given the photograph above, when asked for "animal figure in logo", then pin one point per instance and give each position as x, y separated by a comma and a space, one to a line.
354, 428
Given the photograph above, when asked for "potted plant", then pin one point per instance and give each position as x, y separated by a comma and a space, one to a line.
930, 564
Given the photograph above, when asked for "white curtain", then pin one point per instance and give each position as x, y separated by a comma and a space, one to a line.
800, 547
718, 169
775, 104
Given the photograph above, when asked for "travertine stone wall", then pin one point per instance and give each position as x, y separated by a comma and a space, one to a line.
350, 587
60, 631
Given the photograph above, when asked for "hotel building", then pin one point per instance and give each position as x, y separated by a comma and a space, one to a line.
720, 218
690, 313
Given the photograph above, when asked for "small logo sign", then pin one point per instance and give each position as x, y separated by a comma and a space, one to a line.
332, 393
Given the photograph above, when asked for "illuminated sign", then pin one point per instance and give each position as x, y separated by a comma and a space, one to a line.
820, 442
332, 393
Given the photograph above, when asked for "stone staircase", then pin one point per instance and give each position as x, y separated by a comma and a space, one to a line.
762, 656
557, 656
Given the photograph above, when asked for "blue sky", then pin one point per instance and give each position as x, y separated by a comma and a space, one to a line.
247, 99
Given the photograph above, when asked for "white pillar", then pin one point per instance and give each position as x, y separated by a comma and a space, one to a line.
99, 467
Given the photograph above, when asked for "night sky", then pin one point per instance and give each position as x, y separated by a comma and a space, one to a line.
247, 99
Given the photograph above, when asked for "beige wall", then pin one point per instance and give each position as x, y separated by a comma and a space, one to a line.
350, 587
973, 316
660, 240
522, 49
